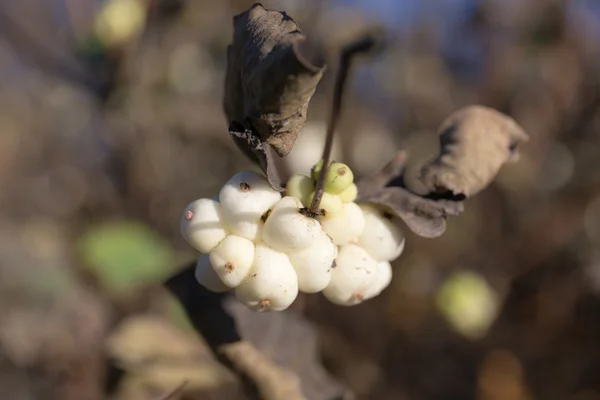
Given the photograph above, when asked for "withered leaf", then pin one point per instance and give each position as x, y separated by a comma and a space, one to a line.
475, 142
425, 216
284, 338
291, 342
258, 152
272, 73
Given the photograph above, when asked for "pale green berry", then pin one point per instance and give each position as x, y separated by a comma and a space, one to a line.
330, 204
350, 194
316, 170
300, 186
338, 178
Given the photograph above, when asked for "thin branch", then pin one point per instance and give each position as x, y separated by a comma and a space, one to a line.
363, 45
261, 378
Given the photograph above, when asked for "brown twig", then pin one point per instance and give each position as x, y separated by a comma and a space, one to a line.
174, 393
261, 377
363, 45
272, 381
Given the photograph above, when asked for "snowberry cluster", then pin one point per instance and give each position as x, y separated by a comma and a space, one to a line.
268, 248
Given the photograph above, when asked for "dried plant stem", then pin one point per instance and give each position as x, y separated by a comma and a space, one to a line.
273, 381
362, 45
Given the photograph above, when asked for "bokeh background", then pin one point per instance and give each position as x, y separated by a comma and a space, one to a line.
105, 138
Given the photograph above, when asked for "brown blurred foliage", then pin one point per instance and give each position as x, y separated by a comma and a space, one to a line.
137, 131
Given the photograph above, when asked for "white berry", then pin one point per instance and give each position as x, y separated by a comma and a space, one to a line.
383, 277
346, 226
355, 270
232, 259
313, 264
381, 237
287, 230
244, 199
272, 284
201, 225
206, 276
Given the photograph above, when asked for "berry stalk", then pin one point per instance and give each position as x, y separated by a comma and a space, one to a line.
362, 45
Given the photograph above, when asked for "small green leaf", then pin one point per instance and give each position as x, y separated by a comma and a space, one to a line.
125, 255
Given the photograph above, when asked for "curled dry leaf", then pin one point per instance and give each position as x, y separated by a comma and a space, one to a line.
291, 343
475, 142
425, 216
272, 73
278, 355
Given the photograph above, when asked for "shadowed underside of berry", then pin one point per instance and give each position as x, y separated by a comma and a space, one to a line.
207, 277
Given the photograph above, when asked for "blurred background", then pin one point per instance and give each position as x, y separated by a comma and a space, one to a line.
111, 122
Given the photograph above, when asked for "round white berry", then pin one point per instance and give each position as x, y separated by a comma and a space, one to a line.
286, 229
354, 271
244, 199
232, 259
202, 226
313, 264
383, 277
346, 226
206, 276
382, 238
272, 284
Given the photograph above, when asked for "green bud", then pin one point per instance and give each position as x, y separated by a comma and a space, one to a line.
300, 186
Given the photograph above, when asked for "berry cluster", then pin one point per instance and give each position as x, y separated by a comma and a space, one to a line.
268, 248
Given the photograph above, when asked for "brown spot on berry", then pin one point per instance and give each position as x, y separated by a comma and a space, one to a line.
342, 171
358, 296
244, 187
229, 267
333, 264
253, 276
264, 304
265, 215
188, 215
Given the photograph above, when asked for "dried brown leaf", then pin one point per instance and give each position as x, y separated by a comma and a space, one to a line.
290, 342
476, 141
425, 216
277, 349
272, 73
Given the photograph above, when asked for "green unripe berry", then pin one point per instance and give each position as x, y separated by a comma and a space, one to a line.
316, 170
350, 194
339, 177
330, 203
300, 186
